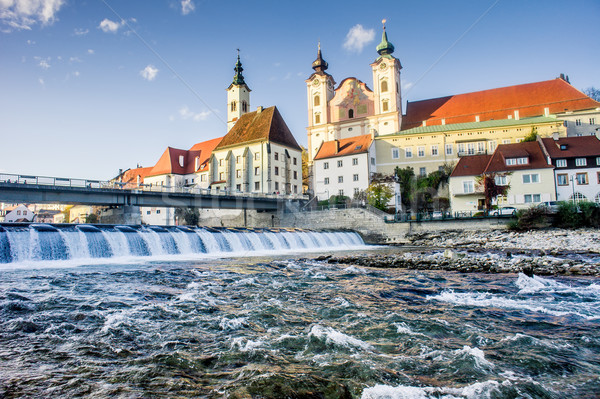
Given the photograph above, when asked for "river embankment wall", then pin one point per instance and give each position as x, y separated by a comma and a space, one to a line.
375, 230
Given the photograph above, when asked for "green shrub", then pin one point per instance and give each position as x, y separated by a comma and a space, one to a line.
568, 216
529, 219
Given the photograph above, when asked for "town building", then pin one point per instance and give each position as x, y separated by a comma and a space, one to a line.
344, 167
18, 214
439, 131
577, 167
523, 167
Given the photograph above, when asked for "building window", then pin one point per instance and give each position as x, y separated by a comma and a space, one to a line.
531, 178
326, 180
157, 211
598, 177
257, 156
408, 152
238, 187
395, 153
238, 159
317, 101
222, 176
582, 178
481, 147
341, 192
276, 170
385, 106
384, 86
561, 163
592, 121
202, 177
468, 187
276, 185
325, 165
350, 113
492, 146
434, 150
317, 117
354, 161
295, 174
233, 106
501, 180
506, 141
422, 172
448, 149
471, 148
577, 122
257, 185
372, 161
531, 198
276, 155
355, 177
580, 162
421, 151
221, 162
244, 106
340, 163
340, 179
295, 189
256, 171
562, 179
148, 212
356, 191
295, 161
461, 148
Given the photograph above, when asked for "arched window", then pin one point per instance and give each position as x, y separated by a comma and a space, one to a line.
350, 113
385, 106
233, 105
384, 86
578, 197
317, 117
244, 106
317, 101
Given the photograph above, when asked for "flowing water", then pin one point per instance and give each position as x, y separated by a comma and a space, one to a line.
155, 315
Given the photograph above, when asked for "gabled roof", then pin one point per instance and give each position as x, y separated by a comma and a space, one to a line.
583, 146
529, 99
471, 166
529, 149
260, 125
129, 177
205, 148
344, 147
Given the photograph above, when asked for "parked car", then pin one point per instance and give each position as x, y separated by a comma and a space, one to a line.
549, 206
505, 211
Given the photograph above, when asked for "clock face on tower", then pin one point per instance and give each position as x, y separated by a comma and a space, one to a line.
315, 82
382, 66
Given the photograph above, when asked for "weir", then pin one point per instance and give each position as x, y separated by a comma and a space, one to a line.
43, 242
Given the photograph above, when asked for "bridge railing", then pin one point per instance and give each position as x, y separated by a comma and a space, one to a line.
105, 184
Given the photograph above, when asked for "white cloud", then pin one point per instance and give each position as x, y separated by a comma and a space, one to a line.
43, 63
186, 113
23, 14
74, 59
76, 74
41, 81
90, 51
81, 31
187, 6
149, 73
30, 42
358, 37
110, 26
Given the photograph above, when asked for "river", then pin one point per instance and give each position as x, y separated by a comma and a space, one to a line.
275, 326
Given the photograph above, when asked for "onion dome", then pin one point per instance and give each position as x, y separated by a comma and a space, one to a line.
385, 47
320, 65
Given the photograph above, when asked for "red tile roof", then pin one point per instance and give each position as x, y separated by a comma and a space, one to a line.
529, 99
343, 147
206, 148
169, 162
531, 149
471, 166
129, 177
584, 146
259, 126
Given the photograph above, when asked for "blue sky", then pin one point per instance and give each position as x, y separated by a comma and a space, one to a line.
91, 86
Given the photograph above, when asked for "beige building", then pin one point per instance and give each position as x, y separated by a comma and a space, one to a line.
523, 167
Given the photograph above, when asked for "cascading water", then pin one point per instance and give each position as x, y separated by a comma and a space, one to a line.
41, 242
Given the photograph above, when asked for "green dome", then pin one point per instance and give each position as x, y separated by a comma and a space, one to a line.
385, 47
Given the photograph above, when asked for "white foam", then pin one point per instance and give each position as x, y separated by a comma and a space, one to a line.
233, 324
477, 390
477, 354
249, 346
338, 338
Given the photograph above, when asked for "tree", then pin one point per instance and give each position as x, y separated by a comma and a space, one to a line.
378, 195
305, 171
91, 218
190, 216
491, 189
531, 136
406, 179
592, 92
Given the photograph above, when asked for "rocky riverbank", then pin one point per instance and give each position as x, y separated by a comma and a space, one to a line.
549, 252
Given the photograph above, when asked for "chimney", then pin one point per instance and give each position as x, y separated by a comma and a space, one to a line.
337, 146
477, 118
443, 121
259, 109
546, 111
555, 136
424, 123
517, 115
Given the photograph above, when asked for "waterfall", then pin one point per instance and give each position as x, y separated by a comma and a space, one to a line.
45, 242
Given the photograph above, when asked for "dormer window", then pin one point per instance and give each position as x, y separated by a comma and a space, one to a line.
561, 163
563, 147
517, 161
181, 159
351, 113
580, 162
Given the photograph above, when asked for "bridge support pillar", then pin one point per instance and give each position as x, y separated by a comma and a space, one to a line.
125, 214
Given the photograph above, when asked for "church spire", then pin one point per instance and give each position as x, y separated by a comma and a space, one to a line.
385, 47
320, 65
238, 78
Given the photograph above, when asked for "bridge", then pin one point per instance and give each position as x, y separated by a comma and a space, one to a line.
43, 189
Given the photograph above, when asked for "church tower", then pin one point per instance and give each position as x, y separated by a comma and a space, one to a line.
320, 91
386, 88
238, 96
